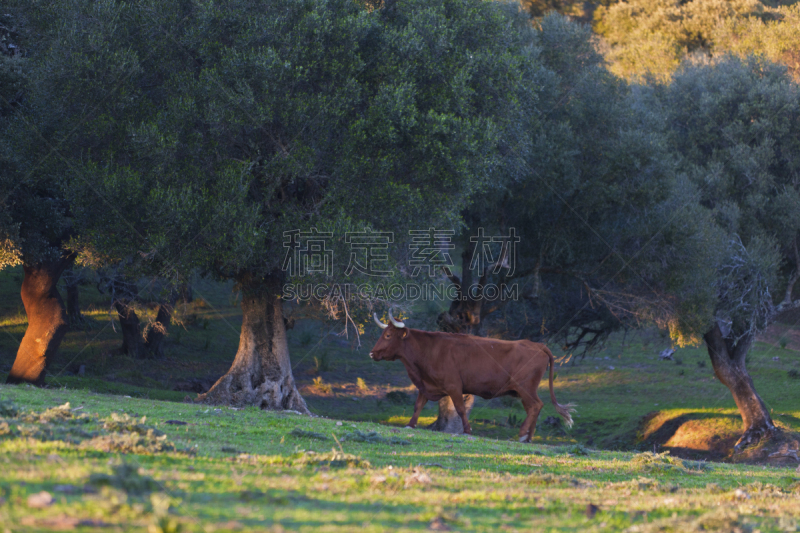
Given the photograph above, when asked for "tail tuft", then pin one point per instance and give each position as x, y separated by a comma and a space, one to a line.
565, 410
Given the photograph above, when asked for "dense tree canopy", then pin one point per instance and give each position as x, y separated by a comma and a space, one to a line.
218, 130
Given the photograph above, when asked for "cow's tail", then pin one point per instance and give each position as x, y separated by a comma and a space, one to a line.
563, 410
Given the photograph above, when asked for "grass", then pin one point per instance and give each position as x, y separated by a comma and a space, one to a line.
353, 467
248, 470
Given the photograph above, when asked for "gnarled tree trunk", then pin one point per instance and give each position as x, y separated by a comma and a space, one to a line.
132, 345
261, 373
728, 361
154, 340
449, 421
47, 321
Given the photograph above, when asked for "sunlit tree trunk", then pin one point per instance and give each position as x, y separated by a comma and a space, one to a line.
728, 361
47, 321
261, 373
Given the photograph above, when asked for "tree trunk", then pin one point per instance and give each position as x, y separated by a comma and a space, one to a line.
132, 345
154, 341
72, 283
464, 316
729, 366
74, 315
449, 420
47, 321
261, 373
186, 294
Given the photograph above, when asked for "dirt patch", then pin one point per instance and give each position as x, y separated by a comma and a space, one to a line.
782, 334
691, 435
711, 436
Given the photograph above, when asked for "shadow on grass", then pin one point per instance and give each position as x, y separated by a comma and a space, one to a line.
692, 434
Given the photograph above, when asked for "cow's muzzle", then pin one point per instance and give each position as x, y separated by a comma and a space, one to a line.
371, 357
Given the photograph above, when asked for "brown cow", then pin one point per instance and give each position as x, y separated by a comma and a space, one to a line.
453, 364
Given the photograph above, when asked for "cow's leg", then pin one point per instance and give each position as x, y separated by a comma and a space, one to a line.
461, 409
533, 406
418, 405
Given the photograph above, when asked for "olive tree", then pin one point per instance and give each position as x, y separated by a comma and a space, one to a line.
268, 119
736, 123
592, 195
34, 220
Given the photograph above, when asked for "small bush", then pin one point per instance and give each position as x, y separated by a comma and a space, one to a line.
398, 397
130, 443
554, 479
783, 342
321, 363
373, 437
698, 466
509, 401
8, 409
361, 384
121, 423
305, 337
656, 462
794, 374
125, 477
321, 386
575, 449
297, 432
334, 459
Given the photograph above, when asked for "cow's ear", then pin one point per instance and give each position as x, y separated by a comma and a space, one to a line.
405, 334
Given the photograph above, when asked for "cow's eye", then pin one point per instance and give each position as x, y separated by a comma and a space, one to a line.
388, 335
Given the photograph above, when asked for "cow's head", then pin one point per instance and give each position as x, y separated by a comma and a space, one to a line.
390, 344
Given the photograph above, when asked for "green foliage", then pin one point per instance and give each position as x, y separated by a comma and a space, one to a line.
288, 115
736, 124
398, 397
596, 198
8, 409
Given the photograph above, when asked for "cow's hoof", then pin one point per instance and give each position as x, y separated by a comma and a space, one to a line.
524, 439
409, 427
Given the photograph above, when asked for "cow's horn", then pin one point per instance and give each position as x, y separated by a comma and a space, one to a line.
377, 321
395, 323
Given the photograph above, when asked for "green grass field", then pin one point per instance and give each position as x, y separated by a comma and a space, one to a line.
240, 470
352, 466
